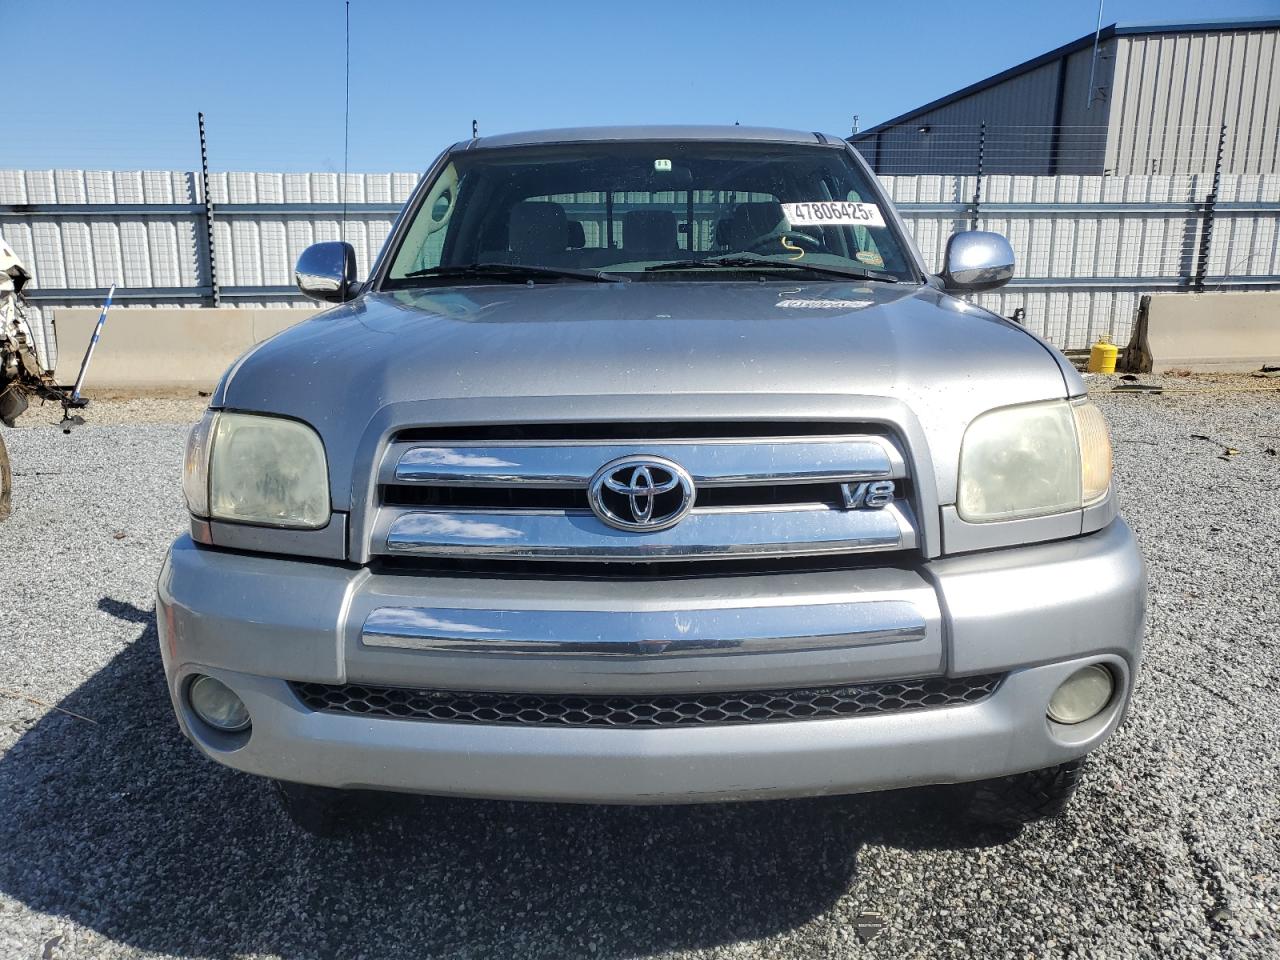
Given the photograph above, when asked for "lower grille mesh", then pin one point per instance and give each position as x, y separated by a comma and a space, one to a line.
630, 710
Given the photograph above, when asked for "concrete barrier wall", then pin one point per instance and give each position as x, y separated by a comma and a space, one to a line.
1208, 332
148, 349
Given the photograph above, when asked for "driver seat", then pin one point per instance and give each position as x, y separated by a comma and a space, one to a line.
754, 220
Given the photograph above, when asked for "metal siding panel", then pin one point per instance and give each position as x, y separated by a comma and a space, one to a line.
402, 185
277, 266
69, 186
1172, 93
162, 247
224, 252
1082, 141
1258, 77
189, 239
324, 188
269, 187
107, 258
128, 184
1144, 108
136, 262
18, 235
1230, 114
40, 187
952, 142
297, 188
1269, 161
377, 187
246, 252
100, 186
1118, 98
12, 187
299, 234
77, 249
157, 186
1212, 107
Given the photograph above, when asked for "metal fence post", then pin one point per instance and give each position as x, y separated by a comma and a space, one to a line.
210, 262
1210, 209
977, 188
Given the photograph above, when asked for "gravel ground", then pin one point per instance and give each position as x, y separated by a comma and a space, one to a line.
117, 840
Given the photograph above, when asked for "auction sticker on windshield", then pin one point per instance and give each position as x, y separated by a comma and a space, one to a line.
820, 213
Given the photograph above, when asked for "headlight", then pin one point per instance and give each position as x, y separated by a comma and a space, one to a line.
257, 469
1033, 460
1095, 453
195, 465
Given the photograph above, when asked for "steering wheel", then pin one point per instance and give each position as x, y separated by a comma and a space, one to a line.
773, 239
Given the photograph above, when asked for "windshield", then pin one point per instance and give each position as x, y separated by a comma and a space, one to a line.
649, 210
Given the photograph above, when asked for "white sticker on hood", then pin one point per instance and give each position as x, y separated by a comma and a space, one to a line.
821, 213
807, 303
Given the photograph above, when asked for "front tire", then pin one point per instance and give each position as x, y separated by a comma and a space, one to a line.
319, 811
1024, 797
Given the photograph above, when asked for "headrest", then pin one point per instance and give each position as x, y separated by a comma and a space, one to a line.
649, 231
537, 228
753, 220
577, 235
724, 232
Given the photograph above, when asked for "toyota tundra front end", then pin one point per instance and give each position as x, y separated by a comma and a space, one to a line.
652, 465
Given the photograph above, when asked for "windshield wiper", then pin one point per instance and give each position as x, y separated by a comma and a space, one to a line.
754, 261
515, 271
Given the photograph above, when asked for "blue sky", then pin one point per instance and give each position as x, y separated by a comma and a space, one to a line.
118, 85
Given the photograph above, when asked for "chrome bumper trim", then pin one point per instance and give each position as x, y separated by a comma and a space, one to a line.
650, 634
802, 530
710, 462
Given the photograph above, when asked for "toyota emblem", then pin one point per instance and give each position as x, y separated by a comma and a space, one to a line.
641, 493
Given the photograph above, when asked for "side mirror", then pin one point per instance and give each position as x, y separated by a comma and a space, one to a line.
977, 260
327, 271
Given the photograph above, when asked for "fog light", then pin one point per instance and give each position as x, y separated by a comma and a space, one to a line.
215, 704
1082, 695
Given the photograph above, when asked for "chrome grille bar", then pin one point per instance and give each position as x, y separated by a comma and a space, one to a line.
647, 634
720, 462
767, 495
704, 534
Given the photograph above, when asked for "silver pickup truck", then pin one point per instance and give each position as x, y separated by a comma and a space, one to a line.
651, 465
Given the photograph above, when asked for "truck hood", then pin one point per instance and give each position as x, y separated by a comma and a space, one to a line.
648, 350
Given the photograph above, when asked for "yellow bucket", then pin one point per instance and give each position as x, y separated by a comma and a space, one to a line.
1102, 357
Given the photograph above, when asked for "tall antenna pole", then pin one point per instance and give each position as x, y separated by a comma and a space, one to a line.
346, 123
1093, 65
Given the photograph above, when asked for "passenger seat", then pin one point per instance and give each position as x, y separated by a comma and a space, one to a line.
538, 232
649, 234
754, 220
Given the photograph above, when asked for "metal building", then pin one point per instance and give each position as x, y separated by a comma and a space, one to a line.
1136, 99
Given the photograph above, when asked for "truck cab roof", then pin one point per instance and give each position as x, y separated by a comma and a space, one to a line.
647, 132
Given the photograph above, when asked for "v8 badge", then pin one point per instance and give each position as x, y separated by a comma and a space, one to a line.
872, 494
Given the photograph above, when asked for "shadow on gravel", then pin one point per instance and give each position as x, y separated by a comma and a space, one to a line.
124, 828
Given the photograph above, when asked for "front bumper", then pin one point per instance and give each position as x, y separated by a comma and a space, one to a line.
1036, 613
